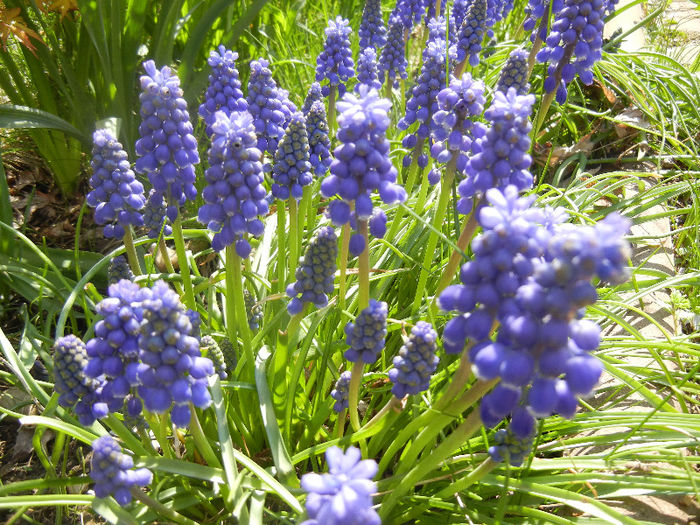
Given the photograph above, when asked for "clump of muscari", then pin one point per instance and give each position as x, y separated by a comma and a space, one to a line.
470, 34
113, 472
235, 195
341, 392
343, 496
292, 169
315, 273
172, 373
166, 147
119, 269
502, 154
392, 57
265, 105
416, 361
367, 69
116, 195
319, 143
514, 73
366, 335
154, 215
75, 389
453, 129
372, 30
224, 90
211, 350
361, 164
335, 63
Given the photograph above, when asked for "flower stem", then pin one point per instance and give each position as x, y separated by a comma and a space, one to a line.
464, 238
542, 112
233, 261
179, 239
354, 393
281, 247
343, 264
533, 54
363, 264
281, 396
230, 294
162, 247
294, 237
161, 509
331, 109
131, 251
200, 440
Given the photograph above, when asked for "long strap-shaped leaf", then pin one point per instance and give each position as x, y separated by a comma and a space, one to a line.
14, 117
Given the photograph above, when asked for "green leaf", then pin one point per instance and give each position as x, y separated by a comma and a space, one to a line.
15, 117
182, 468
60, 426
112, 512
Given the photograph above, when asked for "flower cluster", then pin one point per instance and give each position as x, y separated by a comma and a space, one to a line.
113, 471
166, 147
416, 361
514, 443
453, 129
154, 215
335, 62
253, 311
372, 29
292, 169
514, 73
211, 349
366, 335
422, 104
74, 388
409, 12
172, 373
119, 269
319, 143
235, 195
265, 104
392, 58
367, 69
314, 94
538, 16
362, 164
315, 273
459, 11
501, 156
470, 34
343, 496
341, 392
224, 91
116, 194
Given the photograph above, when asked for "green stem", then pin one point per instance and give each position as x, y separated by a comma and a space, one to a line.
155, 421
533, 54
354, 393
542, 112
343, 264
131, 251
234, 263
163, 248
179, 239
281, 395
294, 237
304, 215
464, 239
201, 441
331, 110
230, 294
388, 87
363, 267
281, 247
161, 509
438, 218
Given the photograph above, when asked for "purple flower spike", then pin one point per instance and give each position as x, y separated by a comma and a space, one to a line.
392, 58
344, 495
366, 335
113, 472
119, 269
167, 147
341, 392
266, 106
459, 11
314, 95
315, 273
154, 215
367, 69
409, 12
372, 29
224, 91
319, 143
235, 196
211, 349
116, 194
416, 361
335, 61
292, 169
470, 34
75, 389
514, 73
514, 443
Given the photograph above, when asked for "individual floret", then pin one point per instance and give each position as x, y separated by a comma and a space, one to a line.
315, 273
416, 361
341, 392
113, 472
265, 105
335, 63
116, 195
343, 496
514, 73
292, 169
224, 90
166, 147
372, 29
235, 196
366, 335
119, 269
367, 69
75, 389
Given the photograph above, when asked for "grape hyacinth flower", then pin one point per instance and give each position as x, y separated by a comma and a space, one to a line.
116, 194
459, 11
514, 73
392, 58
314, 95
229, 354
172, 372
361, 164
235, 195
114, 351
253, 311
292, 169
154, 215
113, 472
341, 392
75, 389
409, 12
335, 62
573, 45
367, 69
437, 28
470, 34
501, 156
119, 269
265, 105
453, 129
224, 90
315, 273
422, 104
211, 350
537, 19
166, 147
343, 496
372, 29
416, 361
366, 335
319, 143
514, 443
